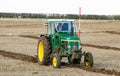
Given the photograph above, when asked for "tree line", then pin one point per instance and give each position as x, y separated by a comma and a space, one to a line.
59, 16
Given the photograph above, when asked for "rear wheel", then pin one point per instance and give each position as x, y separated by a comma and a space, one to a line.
56, 61
88, 60
43, 51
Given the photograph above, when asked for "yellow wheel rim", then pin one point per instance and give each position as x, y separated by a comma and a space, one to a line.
40, 51
54, 61
87, 63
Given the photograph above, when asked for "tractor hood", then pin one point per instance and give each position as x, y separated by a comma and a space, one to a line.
71, 42
70, 38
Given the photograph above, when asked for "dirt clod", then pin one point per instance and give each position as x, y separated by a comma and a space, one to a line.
18, 56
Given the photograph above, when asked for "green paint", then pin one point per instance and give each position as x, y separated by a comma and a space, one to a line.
63, 37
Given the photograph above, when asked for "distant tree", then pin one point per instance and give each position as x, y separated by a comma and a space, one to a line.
58, 16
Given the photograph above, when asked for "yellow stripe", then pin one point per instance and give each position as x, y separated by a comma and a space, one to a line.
71, 40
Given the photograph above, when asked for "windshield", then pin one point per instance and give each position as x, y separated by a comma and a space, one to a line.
65, 26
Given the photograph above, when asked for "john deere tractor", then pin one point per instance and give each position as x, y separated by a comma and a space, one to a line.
60, 41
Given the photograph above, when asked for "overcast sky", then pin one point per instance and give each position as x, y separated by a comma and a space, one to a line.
99, 7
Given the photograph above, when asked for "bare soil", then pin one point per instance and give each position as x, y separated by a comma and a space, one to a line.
18, 45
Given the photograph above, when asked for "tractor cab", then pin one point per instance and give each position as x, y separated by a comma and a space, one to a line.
62, 26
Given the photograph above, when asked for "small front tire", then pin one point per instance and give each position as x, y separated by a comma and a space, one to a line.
56, 61
88, 60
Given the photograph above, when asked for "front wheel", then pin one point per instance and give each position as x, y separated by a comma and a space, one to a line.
88, 60
56, 61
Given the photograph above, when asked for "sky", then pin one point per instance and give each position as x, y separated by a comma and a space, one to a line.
97, 7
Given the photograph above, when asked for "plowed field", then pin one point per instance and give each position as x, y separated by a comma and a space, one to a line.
18, 45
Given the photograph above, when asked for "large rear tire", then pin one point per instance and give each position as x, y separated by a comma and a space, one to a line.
88, 60
43, 51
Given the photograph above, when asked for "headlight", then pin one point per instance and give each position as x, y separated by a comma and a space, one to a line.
69, 46
80, 47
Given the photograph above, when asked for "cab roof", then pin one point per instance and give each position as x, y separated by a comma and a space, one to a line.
60, 20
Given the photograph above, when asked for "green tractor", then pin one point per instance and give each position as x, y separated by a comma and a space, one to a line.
60, 41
